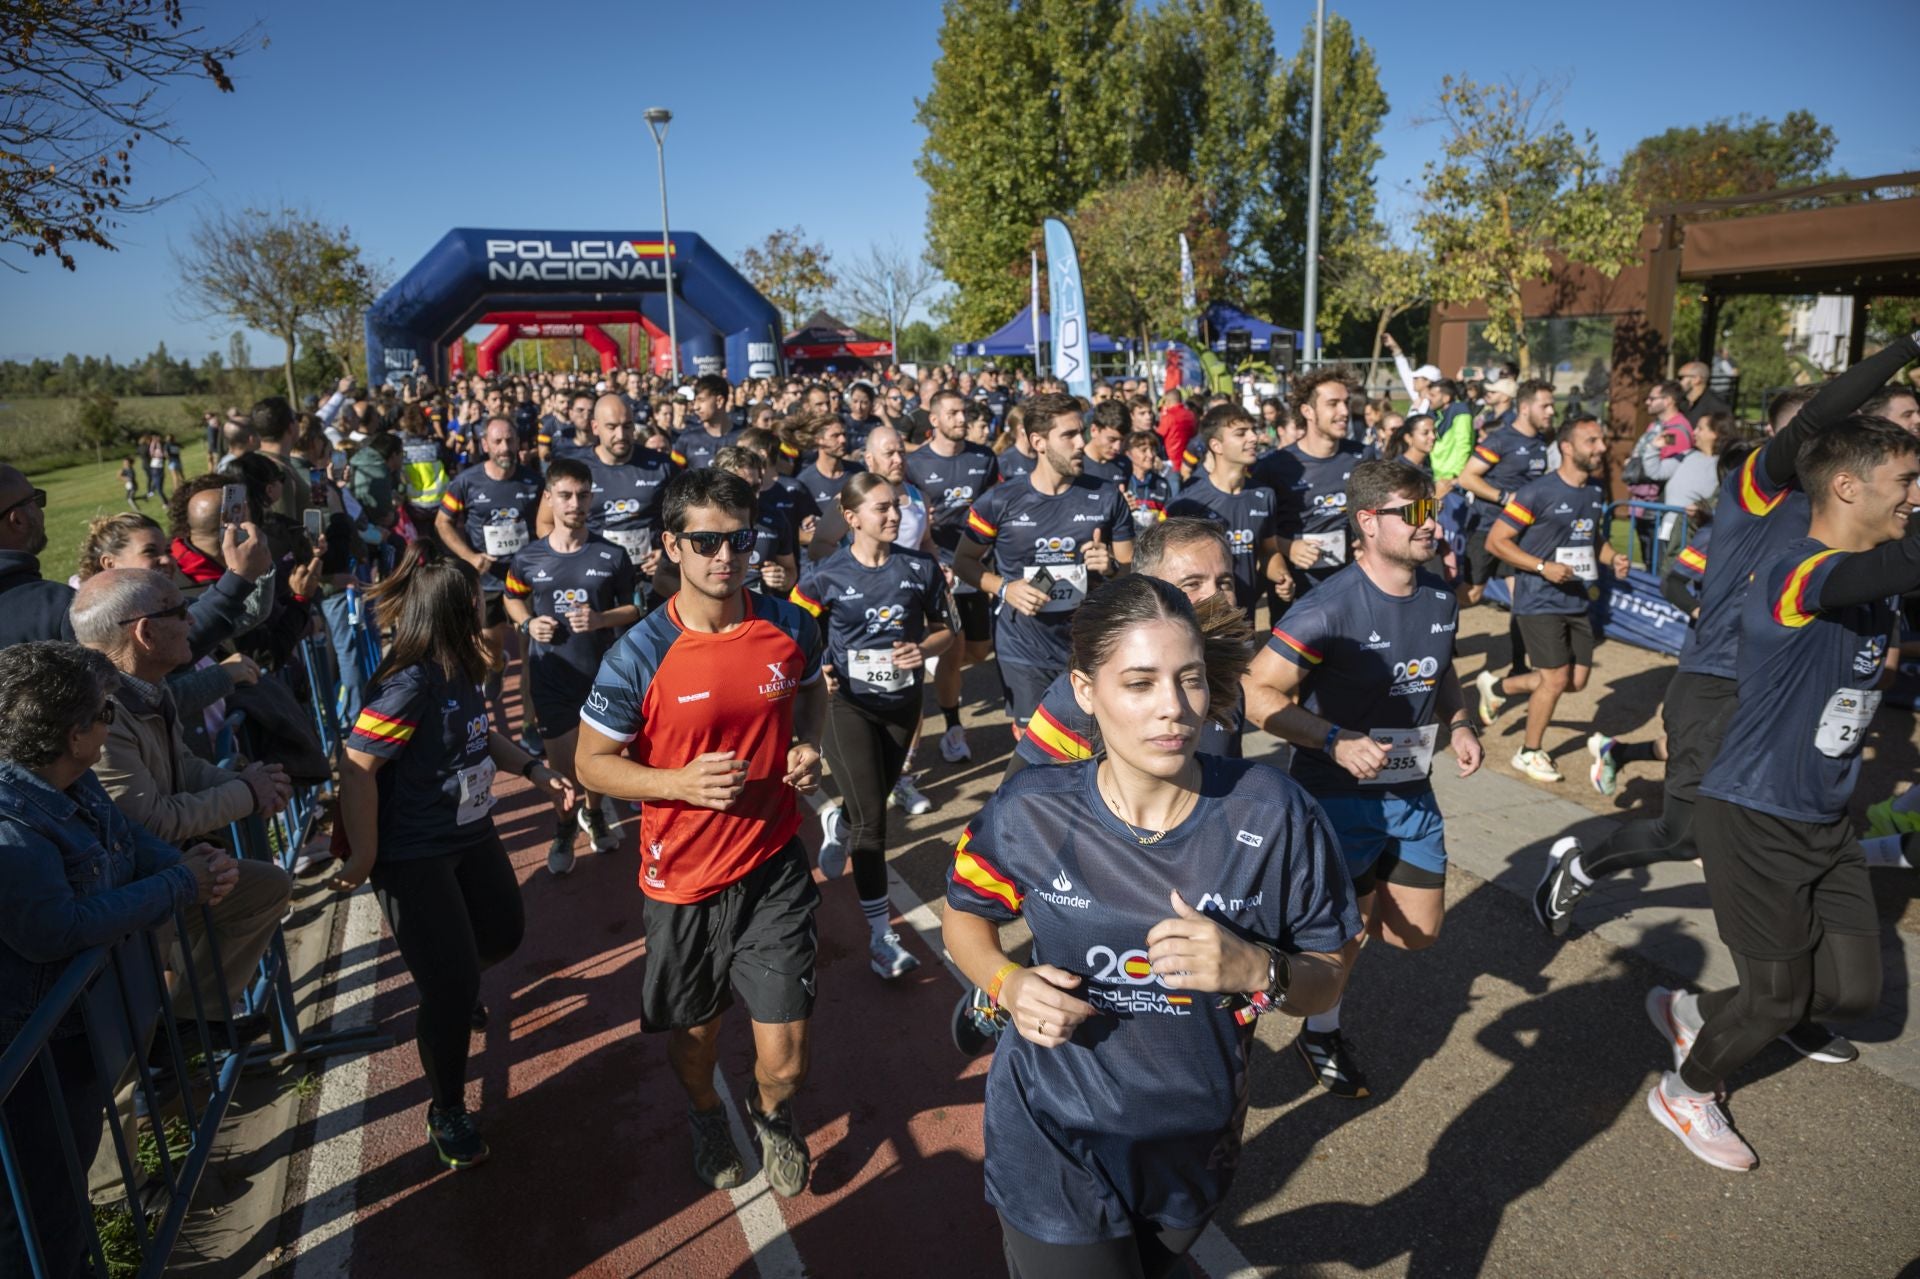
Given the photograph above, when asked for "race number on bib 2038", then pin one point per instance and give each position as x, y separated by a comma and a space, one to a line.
1843, 722
1409, 754
1332, 545
1069, 585
1581, 560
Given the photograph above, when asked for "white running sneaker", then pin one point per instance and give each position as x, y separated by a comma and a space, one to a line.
1702, 1128
953, 745
906, 795
833, 841
1536, 764
1603, 772
1677, 1033
889, 958
1491, 703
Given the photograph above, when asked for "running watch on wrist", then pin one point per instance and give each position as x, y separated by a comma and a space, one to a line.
1333, 735
1279, 972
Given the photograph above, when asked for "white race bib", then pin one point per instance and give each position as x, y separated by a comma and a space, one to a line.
1332, 545
1843, 724
1580, 559
504, 537
636, 542
874, 667
476, 792
1069, 585
1409, 754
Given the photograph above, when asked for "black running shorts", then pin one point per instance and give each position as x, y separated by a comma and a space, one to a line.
1556, 639
1696, 713
556, 697
1779, 885
1483, 565
754, 938
1023, 687
976, 616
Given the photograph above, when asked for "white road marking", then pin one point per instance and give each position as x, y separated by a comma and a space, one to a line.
761, 1220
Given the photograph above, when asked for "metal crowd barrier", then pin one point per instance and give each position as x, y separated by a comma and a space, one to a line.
1654, 556
121, 994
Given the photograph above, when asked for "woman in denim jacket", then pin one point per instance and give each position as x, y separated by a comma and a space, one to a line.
74, 873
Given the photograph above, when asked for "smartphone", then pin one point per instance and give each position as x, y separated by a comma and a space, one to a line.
233, 504
316, 522
1043, 580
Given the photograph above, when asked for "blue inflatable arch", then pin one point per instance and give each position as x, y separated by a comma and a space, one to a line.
725, 324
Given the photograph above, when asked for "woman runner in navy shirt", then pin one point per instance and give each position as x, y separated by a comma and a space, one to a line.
1170, 896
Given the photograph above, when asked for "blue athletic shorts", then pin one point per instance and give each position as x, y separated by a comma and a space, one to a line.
1381, 831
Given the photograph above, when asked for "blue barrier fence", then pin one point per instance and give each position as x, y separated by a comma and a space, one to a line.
126, 1012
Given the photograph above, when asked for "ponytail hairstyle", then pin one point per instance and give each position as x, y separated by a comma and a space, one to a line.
855, 490
1225, 634
109, 535
802, 433
432, 603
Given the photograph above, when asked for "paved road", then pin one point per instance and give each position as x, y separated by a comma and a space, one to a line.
1507, 1134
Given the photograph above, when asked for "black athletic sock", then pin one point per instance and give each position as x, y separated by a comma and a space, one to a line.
1519, 647
1625, 753
953, 715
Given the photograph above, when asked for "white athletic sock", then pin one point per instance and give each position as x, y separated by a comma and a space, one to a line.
879, 913
1686, 1008
1579, 872
933, 669
1885, 850
1674, 1086
1321, 1023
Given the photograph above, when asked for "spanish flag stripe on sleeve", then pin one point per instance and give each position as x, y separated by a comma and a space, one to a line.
975, 873
1694, 560
1751, 490
382, 728
679, 458
515, 586
450, 503
1486, 454
979, 525
1791, 608
813, 606
1517, 513
1310, 656
1056, 739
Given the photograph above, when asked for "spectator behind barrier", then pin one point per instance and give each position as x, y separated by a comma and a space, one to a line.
34, 608
75, 873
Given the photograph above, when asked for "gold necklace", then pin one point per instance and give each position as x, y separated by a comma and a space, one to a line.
1143, 840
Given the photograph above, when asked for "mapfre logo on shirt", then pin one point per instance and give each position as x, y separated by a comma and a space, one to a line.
780, 684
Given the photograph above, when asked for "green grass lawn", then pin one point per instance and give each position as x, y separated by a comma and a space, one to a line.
76, 494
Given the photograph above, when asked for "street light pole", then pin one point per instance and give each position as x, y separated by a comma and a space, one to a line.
658, 118
1313, 190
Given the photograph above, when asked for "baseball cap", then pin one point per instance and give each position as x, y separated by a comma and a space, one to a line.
1503, 386
1427, 372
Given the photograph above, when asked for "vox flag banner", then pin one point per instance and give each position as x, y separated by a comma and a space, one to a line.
1072, 358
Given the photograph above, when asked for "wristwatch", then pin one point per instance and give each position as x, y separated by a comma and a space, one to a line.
1279, 972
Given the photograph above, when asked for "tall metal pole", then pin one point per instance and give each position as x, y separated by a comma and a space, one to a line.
658, 118
1313, 190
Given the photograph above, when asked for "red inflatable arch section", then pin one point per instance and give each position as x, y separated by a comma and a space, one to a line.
584, 325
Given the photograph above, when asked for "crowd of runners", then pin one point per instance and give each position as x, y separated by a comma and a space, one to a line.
725, 604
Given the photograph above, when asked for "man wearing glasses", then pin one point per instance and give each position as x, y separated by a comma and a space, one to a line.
709, 712
1359, 677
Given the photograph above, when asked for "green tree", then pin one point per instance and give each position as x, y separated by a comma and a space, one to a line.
1032, 106
1208, 72
1513, 186
790, 270
1371, 277
276, 270
1128, 236
96, 421
1353, 105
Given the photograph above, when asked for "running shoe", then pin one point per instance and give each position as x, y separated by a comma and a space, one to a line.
1884, 819
906, 795
478, 1019
782, 1154
889, 958
1677, 1033
1702, 1128
716, 1160
1603, 772
560, 851
1558, 890
455, 1140
977, 1023
1816, 1043
1536, 764
604, 838
953, 745
833, 841
1491, 703
1332, 1063
530, 743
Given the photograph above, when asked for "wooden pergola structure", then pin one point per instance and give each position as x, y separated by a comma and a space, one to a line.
1866, 248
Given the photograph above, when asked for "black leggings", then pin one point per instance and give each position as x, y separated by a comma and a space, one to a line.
1666, 838
866, 749
1838, 979
1150, 1252
453, 915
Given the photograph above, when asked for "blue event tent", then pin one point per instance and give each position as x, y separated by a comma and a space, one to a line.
1219, 317
1015, 337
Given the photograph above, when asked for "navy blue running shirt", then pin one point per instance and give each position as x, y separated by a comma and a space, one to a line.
693, 448
869, 610
627, 497
1248, 519
436, 789
496, 516
1753, 524
789, 497
1139, 1115
1807, 692
1373, 664
772, 536
951, 485
1514, 459
1555, 521
1310, 502
1029, 530
598, 575
1012, 464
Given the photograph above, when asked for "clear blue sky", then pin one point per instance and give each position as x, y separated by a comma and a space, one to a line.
404, 119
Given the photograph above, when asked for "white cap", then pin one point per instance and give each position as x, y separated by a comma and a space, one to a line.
1427, 372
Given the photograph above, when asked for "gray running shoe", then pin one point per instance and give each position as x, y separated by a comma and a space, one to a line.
782, 1153
560, 851
715, 1160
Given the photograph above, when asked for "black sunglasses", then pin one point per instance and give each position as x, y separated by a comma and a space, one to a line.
708, 544
178, 613
1416, 512
38, 497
